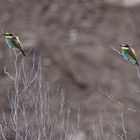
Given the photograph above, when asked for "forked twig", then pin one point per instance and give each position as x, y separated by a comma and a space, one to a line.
8, 74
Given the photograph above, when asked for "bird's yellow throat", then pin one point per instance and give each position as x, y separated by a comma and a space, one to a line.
7, 37
125, 48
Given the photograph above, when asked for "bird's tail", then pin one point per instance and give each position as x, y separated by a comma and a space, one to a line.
23, 52
136, 62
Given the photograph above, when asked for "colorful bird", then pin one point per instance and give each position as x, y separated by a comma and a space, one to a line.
129, 53
13, 41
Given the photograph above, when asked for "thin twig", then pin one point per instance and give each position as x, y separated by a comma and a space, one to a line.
101, 126
122, 122
117, 51
138, 72
114, 132
94, 131
8, 74
114, 99
2, 133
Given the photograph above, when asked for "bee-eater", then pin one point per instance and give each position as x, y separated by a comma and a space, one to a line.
13, 41
129, 53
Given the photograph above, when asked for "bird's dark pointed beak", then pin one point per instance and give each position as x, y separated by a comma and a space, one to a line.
2, 34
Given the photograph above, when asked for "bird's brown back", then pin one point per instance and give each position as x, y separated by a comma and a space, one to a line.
16, 42
132, 53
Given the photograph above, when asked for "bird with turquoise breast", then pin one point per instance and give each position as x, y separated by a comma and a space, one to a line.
13, 41
129, 53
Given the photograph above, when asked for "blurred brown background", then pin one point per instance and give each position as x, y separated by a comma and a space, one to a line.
74, 40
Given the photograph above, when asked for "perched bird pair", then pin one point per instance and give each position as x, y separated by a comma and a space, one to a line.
129, 53
13, 41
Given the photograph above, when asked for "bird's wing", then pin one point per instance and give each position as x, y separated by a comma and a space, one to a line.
132, 53
16, 42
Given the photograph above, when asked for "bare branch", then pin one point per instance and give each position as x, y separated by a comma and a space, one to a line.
117, 51
1, 130
122, 123
94, 131
101, 126
116, 100
8, 74
138, 72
